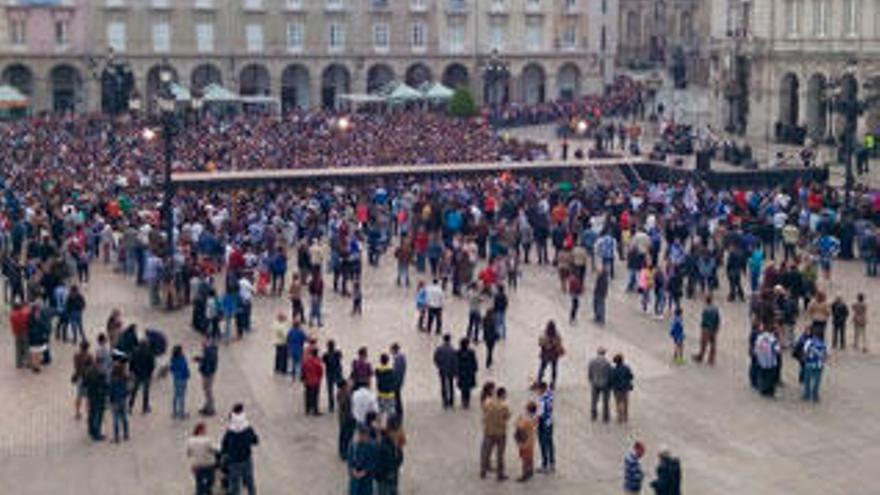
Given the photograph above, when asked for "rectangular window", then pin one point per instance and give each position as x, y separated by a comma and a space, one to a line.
534, 34
793, 18
114, 3
569, 37
604, 6
603, 39
418, 5
254, 35
380, 36
877, 18
61, 28
253, 4
419, 36
18, 32
204, 4
456, 35
334, 4
161, 37
205, 37
497, 33
570, 4
337, 36
851, 17
295, 36
160, 4
821, 11
294, 4
116, 36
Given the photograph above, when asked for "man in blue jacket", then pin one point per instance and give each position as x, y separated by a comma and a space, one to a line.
296, 339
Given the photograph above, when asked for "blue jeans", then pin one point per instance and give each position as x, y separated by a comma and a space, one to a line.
120, 420
545, 441
297, 366
178, 403
812, 378
242, 473
315, 312
501, 324
360, 486
631, 281
76, 325
403, 274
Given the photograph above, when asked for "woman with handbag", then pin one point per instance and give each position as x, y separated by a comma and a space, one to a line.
551, 350
200, 448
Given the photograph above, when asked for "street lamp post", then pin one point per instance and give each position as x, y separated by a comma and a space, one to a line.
846, 102
166, 103
494, 71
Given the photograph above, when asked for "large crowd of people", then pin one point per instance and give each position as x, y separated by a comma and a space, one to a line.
71, 198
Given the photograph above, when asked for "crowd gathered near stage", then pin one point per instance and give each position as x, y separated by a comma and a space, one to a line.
77, 192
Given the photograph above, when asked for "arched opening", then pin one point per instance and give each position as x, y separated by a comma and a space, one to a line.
154, 84
569, 81
849, 91
335, 81
817, 106
456, 76
686, 26
496, 86
295, 88
633, 29
378, 76
788, 100
65, 85
254, 80
418, 74
20, 77
205, 75
532, 84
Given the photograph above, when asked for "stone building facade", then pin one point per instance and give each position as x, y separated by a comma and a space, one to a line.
43, 49
652, 31
776, 64
308, 52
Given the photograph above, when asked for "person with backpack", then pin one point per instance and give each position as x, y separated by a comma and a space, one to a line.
668, 480
208, 363
389, 457
620, 381
235, 452
710, 323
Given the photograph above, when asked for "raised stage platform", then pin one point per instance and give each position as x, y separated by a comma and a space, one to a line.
610, 170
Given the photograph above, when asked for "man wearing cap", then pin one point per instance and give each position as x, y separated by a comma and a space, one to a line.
598, 372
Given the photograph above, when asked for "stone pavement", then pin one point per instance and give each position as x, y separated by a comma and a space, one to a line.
729, 439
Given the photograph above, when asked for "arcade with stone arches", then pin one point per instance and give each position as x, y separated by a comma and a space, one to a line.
804, 98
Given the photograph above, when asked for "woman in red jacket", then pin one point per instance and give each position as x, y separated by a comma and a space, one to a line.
312, 373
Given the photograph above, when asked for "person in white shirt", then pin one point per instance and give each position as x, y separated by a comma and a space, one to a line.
434, 302
245, 294
363, 402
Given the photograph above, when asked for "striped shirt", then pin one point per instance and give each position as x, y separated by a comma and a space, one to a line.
545, 408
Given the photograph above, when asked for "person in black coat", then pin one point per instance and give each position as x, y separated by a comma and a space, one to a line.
490, 334
668, 480
446, 362
97, 390
467, 371
142, 365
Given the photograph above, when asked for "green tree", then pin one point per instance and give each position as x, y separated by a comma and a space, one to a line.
462, 104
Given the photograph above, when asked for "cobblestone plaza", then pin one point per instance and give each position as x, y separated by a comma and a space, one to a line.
730, 440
